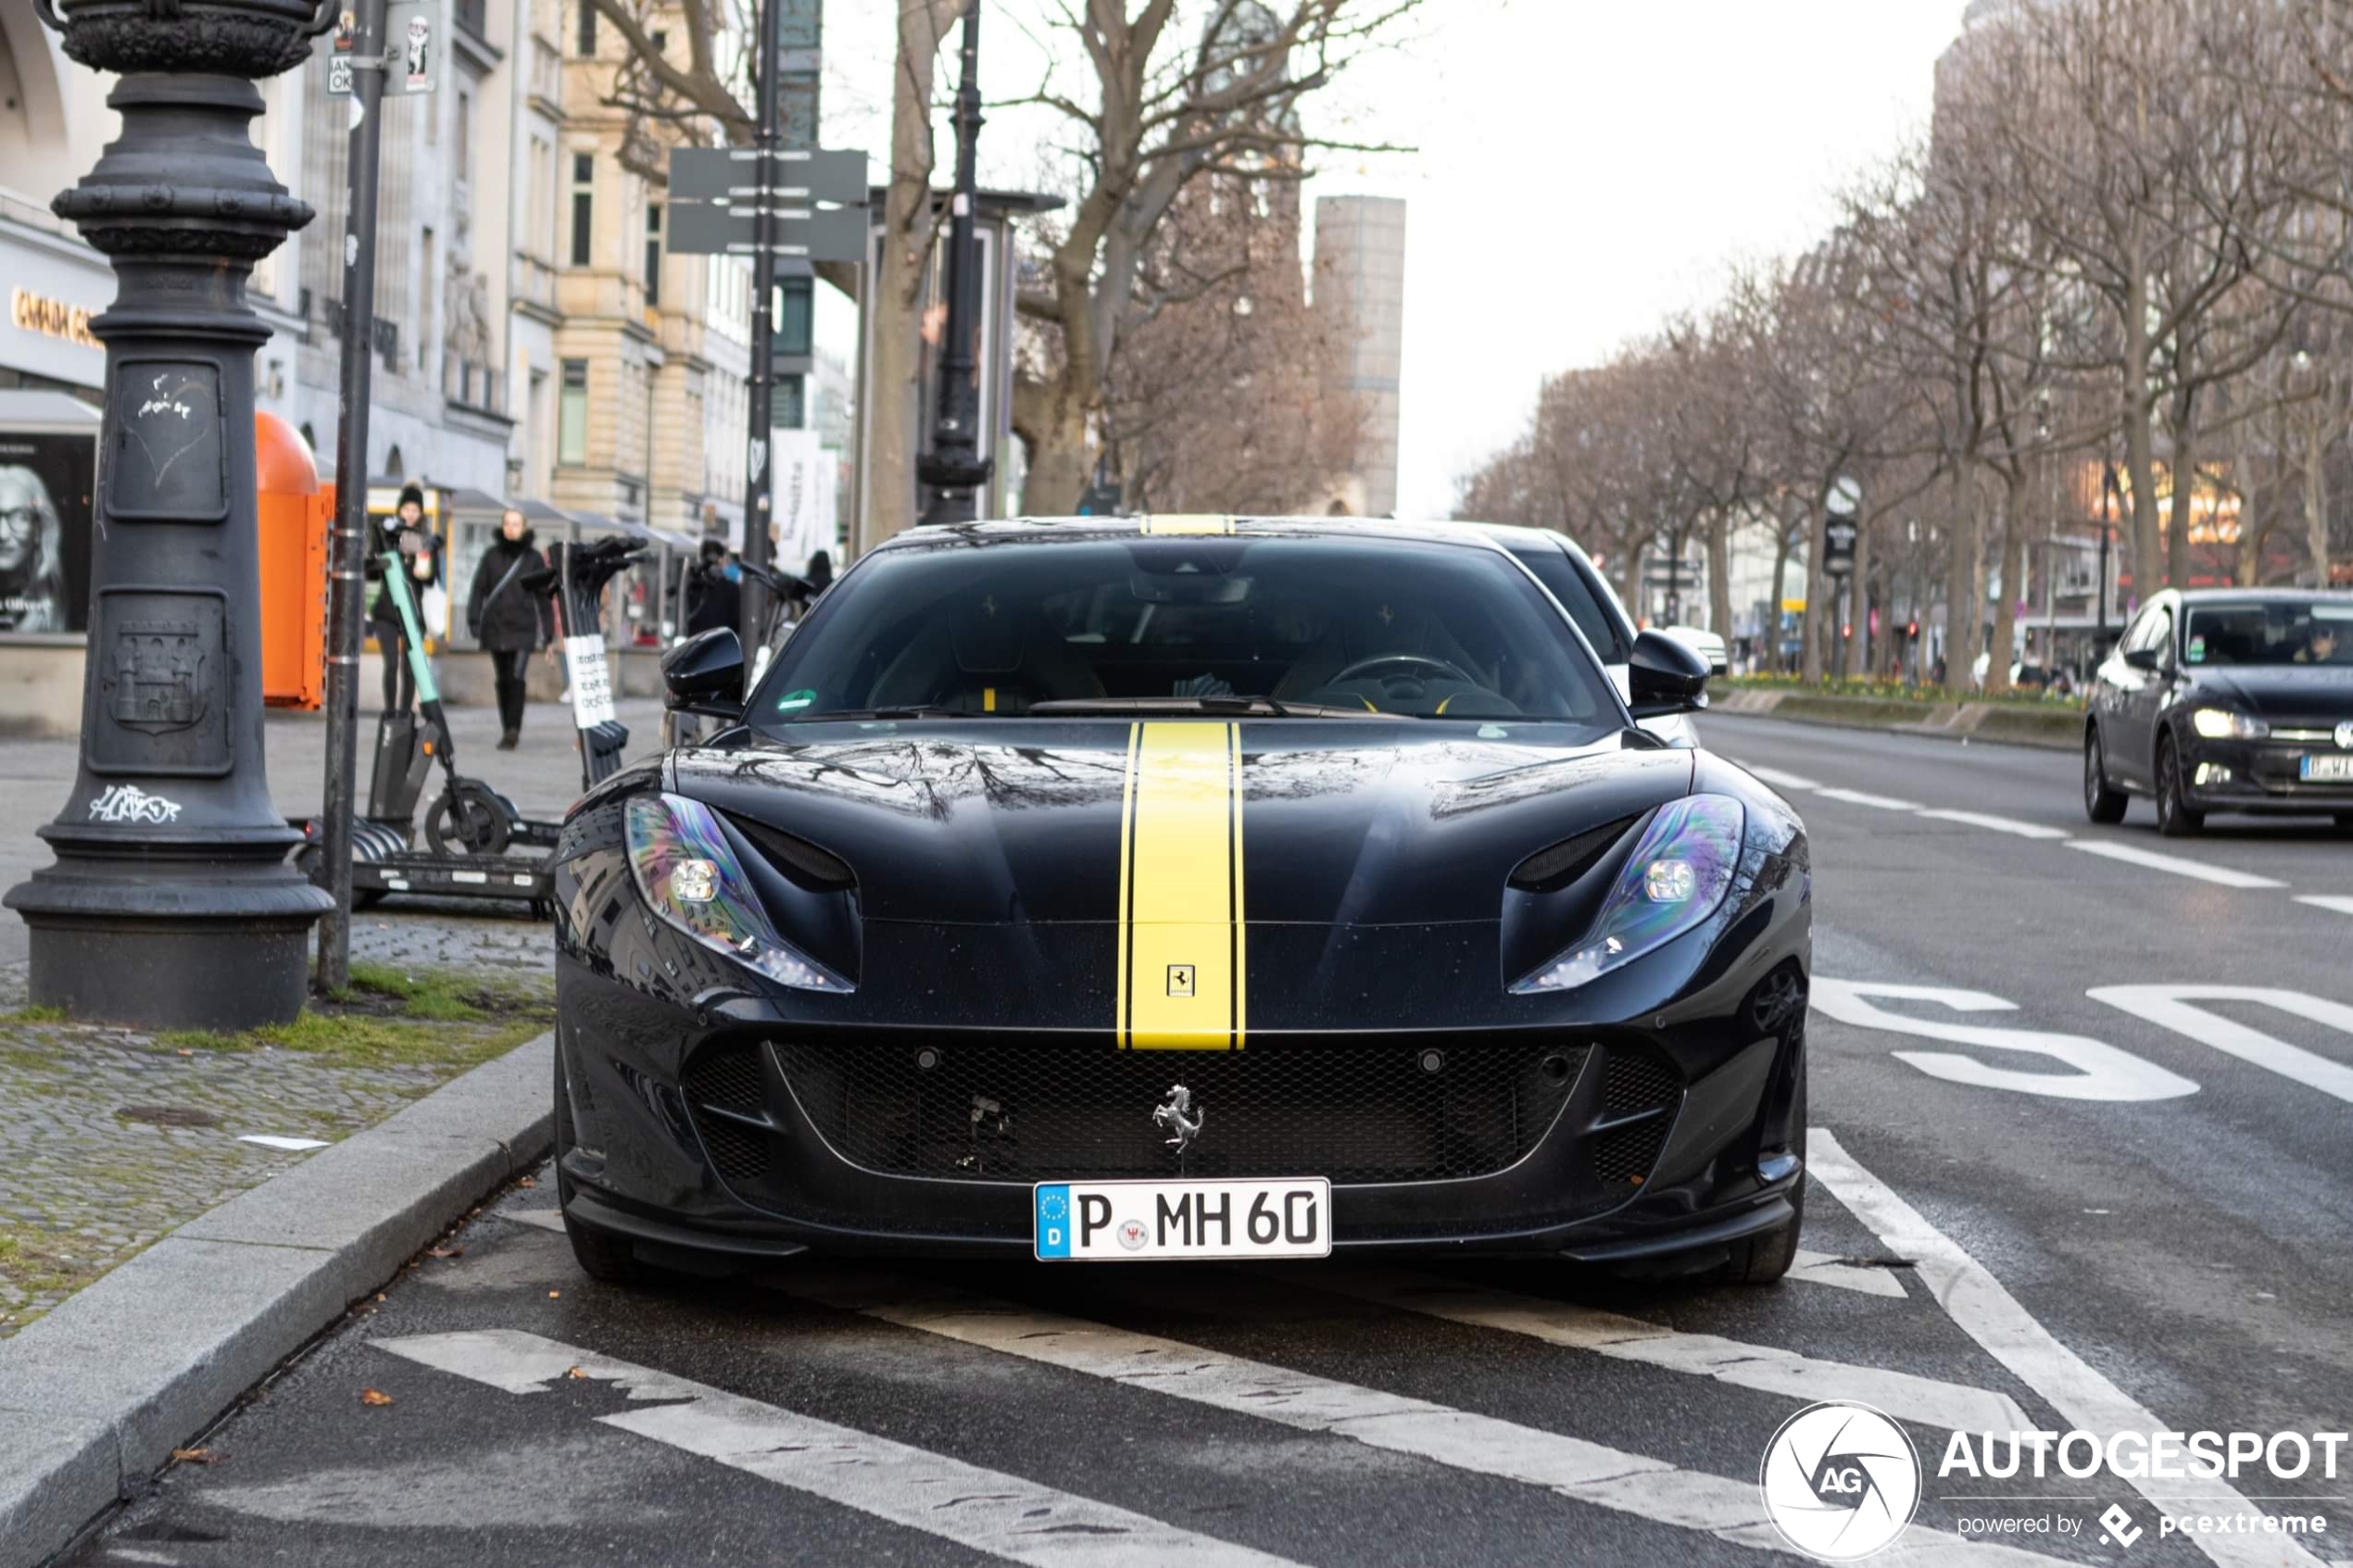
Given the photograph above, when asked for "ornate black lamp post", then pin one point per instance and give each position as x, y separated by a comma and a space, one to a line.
954, 468
172, 903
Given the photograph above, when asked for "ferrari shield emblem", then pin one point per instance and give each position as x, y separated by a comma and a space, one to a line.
1180, 980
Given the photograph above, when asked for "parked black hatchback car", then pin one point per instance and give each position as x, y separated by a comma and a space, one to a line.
2225, 699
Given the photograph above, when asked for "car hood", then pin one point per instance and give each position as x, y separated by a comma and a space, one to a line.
1338, 823
2284, 691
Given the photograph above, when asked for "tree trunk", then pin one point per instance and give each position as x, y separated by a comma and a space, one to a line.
1629, 586
895, 422
2316, 499
2177, 528
2140, 443
1857, 658
1997, 667
1720, 578
1964, 586
2253, 525
1769, 657
1811, 655
1061, 460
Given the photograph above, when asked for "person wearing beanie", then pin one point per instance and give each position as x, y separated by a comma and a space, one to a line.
404, 533
508, 621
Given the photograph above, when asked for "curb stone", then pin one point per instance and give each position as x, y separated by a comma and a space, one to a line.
2055, 729
96, 1395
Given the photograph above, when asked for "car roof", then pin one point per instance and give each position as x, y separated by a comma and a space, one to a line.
2286, 596
1034, 530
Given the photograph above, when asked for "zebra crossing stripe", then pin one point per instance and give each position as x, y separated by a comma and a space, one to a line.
1993, 1317
1820, 1268
985, 1510
1730, 1510
1953, 1407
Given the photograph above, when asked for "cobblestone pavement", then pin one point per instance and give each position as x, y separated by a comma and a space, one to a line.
112, 1139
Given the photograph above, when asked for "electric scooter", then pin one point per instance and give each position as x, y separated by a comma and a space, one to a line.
470, 827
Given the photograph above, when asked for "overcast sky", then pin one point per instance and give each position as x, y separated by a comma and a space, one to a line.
1581, 168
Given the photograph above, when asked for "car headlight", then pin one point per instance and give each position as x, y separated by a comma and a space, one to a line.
690, 877
1677, 877
2221, 724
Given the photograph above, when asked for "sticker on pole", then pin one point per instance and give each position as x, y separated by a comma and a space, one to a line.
591, 681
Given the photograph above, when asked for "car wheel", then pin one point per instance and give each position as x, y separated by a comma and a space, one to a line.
2175, 820
2103, 802
605, 1259
1763, 1259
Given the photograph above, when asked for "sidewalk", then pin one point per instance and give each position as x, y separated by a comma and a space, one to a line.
114, 1138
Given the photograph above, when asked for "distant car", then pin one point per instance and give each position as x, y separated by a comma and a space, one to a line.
1569, 575
1707, 644
2225, 699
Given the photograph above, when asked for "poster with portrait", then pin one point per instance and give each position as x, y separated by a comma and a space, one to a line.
47, 482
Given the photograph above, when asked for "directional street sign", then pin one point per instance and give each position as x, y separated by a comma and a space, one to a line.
829, 174
1838, 546
805, 233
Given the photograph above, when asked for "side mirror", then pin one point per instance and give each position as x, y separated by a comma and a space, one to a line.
1664, 676
705, 674
2142, 659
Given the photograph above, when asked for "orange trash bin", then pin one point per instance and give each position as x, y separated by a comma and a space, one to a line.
295, 513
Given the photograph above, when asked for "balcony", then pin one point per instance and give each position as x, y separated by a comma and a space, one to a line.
472, 385
535, 282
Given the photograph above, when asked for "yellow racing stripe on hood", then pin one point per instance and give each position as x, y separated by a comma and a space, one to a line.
1181, 933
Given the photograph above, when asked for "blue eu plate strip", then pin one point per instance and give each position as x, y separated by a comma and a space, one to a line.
1054, 1220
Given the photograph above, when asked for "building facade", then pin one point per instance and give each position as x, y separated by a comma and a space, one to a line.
1360, 251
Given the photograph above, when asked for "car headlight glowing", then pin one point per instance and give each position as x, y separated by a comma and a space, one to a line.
1678, 876
688, 875
2221, 724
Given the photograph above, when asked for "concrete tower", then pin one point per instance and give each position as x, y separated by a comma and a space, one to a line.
1360, 253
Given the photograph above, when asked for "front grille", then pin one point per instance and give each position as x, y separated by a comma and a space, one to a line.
1635, 1083
725, 1093
1427, 1108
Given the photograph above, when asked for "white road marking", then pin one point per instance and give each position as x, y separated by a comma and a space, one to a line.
546, 1219
1998, 824
2219, 875
1876, 802
2102, 1071
1649, 1488
1952, 1407
2170, 1006
1779, 780
1992, 1316
986, 1510
1820, 1268
2325, 901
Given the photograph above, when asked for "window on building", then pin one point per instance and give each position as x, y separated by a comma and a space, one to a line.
461, 152
583, 207
571, 416
428, 291
586, 45
653, 254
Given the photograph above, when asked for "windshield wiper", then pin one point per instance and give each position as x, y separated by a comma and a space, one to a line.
1259, 707
859, 713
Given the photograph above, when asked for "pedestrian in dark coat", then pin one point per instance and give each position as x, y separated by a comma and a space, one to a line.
714, 598
404, 534
507, 619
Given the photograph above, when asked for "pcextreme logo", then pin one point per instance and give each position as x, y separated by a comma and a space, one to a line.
1840, 1481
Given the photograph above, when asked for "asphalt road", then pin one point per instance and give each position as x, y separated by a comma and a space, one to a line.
2059, 1181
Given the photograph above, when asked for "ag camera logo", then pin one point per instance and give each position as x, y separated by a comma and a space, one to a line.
1840, 1481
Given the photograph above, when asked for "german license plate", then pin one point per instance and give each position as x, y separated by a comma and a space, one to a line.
1139, 1222
2328, 770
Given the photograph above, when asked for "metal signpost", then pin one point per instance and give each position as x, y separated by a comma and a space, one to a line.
365, 69
171, 904
953, 468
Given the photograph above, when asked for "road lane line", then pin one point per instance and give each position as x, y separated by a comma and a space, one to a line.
1953, 1407
1876, 802
1820, 1268
2219, 876
1779, 780
2170, 1006
2325, 901
1992, 1316
986, 1510
1730, 1510
1998, 824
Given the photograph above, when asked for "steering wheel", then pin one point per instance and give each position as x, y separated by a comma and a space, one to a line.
1408, 667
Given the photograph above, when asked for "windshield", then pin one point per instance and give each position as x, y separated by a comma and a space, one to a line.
2313, 631
1320, 625
1552, 568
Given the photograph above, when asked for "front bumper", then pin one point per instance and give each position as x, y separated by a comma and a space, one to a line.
1652, 1148
2261, 776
